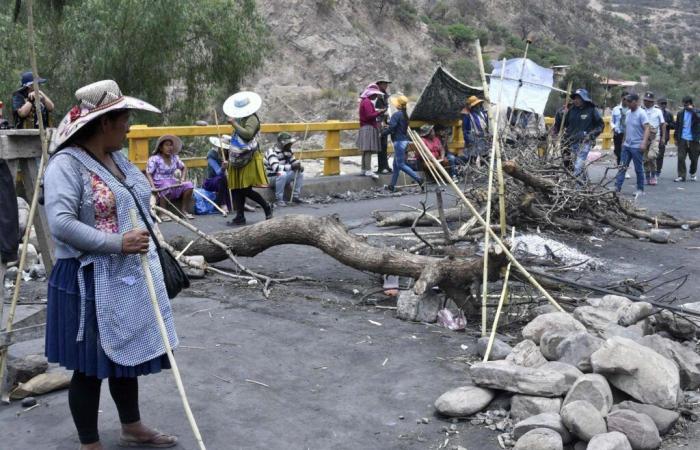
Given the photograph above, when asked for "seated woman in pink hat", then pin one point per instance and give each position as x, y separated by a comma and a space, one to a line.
166, 173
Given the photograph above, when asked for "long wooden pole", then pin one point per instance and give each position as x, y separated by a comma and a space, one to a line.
563, 116
520, 80
166, 342
224, 159
4, 396
501, 300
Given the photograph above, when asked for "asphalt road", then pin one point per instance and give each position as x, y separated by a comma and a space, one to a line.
336, 374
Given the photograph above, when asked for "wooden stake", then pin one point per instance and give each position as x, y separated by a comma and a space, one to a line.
223, 159
480, 57
166, 342
501, 300
4, 396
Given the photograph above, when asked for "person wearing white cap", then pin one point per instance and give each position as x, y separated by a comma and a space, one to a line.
99, 323
23, 110
216, 180
246, 166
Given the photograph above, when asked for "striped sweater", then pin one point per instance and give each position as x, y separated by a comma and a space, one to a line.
276, 161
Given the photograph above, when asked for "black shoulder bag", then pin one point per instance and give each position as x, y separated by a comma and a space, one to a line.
175, 278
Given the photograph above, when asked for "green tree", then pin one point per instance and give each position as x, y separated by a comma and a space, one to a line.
651, 53
462, 34
181, 55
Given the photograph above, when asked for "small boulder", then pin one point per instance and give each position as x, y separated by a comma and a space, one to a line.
521, 380
614, 302
678, 328
577, 349
32, 257
524, 406
594, 389
638, 371
463, 401
583, 419
571, 373
545, 420
540, 439
686, 359
595, 320
526, 354
21, 370
636, 312
499, 349
664, 419
609, 441
549, 342
418, 308
548, 322
640, 430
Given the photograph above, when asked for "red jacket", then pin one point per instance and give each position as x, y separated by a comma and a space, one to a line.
368, 115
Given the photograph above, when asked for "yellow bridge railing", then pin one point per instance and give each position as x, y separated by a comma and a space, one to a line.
140, 136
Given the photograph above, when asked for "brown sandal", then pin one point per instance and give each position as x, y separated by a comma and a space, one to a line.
158, 440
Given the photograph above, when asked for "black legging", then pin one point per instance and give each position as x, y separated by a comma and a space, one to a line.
84, 402
239, 196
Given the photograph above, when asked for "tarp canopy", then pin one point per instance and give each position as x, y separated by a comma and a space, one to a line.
443, 98
535, 85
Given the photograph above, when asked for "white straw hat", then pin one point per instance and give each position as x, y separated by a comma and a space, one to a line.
224, 143
95, 100
242, 104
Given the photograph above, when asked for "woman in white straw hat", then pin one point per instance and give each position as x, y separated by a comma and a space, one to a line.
246, 165
168, 174
99, 321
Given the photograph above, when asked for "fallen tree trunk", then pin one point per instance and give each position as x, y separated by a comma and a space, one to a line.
406, 219
329, 235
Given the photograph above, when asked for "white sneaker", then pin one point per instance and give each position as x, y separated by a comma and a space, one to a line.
638, 194
369, 173
627, 175
693, 178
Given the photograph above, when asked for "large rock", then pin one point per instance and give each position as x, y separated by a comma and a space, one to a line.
548, 322
595, 320
686, 359
540, 439
545, 420
418, 308
640, 430
678, 328
521, 380
638, 371
524, 406
663, 418
609, 441
549, 342
32, 256
571, 373
594, 389
577, 349
22, 214
526, 354
21, 370
583, 419
499, 349
636, 312
463, 401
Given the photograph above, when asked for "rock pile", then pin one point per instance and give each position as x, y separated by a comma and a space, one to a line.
595, 379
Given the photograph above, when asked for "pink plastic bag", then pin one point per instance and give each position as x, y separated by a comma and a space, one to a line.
450, 321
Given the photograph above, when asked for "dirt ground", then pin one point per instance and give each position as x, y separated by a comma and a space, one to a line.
311, 368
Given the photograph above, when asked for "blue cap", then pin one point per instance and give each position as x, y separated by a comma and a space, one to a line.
28, 79
583, 94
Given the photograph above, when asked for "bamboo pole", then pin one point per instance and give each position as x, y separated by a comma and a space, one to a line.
482, 72
164, 334
501, 300
520, 79
213, 203
4, 396
224, 159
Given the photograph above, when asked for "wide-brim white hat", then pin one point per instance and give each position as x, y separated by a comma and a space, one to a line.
224, 142
95, 100
242, 104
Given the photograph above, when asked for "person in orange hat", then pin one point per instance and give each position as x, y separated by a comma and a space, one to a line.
398, 129
475, 129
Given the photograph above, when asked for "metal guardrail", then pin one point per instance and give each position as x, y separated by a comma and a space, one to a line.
140, 136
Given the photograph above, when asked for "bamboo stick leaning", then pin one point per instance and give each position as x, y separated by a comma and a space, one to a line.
501, 300
4, 396
224, 159
164, 334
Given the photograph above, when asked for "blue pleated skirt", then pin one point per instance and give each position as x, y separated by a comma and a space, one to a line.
63, 321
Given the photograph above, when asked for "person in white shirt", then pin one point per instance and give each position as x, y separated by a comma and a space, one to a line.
657, 132
618, 124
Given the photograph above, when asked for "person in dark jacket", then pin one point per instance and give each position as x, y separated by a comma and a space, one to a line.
23, 111
582, 125
9, 224
382, 102
688, 139
670, 125
398, 129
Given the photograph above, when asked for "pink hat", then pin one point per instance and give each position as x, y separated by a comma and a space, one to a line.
370, 90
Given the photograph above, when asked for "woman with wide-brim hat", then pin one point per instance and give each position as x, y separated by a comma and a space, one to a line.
475, 130
246, 165
168, 174
100, 323
369, 138
398, 130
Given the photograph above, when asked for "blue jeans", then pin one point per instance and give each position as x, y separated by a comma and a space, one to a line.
634, 154
454, 161
281, 181
581, 151
400, 163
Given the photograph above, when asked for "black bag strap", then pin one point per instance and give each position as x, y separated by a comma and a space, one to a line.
136, 200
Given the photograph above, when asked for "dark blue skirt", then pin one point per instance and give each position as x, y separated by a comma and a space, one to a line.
63, 321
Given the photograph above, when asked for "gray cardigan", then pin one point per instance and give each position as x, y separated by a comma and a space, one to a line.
71, 215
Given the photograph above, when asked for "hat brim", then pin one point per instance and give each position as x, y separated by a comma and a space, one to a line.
286, 142
39, 81
67, 127
383, 81
177, 142
231, 110
216, 142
